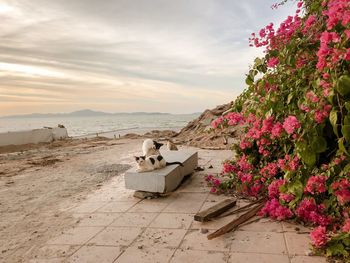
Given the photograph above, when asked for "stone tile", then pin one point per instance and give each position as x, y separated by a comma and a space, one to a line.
160, 238
99, 219
172, 220
297, 244
134, 219
258, 242
76, 236
88, 207
195, 240
116, 207
145, 255
308, 259
116, 236
47, 260
182, 255
183, 207
191, 197
55, 251
149, 206
263, 224
93, 254
294, 227
254, 257
213, 224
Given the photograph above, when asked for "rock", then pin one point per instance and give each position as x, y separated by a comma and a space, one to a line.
143, 195
171, 146
204, 230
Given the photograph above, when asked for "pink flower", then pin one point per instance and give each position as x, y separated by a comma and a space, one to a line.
286, 197
319, 236
272, 62
274, 188
316, 184
275, 210
276, 130
290, 124
215, 123
346, 226
300, 4
310, 212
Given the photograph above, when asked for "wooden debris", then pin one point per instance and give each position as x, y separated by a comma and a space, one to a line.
238, 221
215, 210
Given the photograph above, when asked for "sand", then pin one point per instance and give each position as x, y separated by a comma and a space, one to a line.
39, 185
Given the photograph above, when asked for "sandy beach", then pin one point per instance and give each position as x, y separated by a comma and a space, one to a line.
40, 184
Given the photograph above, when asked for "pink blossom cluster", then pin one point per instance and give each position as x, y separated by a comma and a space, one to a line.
338, 12
228, 168
275, 210
273, 62
346, 226
274, 188
319, 237
310, 212
322, 114
291, 124
289, 163
214, 182
231, 118
342, 190
269, 171
316, 185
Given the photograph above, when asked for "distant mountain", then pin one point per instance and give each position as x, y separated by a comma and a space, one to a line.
80, 113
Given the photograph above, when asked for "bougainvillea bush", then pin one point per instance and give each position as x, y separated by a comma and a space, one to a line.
295, 114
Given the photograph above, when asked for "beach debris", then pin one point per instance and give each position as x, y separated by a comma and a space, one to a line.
204, 230
145, 195
171, 146
215, 210
233, 225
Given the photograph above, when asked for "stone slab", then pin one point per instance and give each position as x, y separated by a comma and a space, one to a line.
166, 179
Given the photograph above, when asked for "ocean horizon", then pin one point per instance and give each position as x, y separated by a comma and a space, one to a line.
78, 126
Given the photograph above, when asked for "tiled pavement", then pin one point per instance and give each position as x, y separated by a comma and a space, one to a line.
116, 227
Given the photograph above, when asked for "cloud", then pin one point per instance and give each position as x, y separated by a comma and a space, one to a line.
122, 54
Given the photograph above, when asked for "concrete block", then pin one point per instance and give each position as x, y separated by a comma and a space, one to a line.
32, 136
166, 179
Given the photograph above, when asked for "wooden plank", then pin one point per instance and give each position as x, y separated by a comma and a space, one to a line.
236, 222
215, 210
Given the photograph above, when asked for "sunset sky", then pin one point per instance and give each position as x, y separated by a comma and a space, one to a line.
178, 56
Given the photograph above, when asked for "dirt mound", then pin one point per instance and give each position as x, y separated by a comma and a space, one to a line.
199, 132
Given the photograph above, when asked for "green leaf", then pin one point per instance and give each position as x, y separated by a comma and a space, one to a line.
333, 118
319, 144
308, 156
342, 147
345, 129
343, 85
296, 188
347, 106
290, 97
336, 249
249, 81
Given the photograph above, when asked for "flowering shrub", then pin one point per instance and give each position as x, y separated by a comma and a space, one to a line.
296, 119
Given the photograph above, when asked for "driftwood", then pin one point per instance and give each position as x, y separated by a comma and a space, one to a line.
241, 209
238, 221
215, 210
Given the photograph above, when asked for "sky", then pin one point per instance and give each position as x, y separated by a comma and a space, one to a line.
178, 56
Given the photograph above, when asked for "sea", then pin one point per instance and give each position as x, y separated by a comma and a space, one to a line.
85, 126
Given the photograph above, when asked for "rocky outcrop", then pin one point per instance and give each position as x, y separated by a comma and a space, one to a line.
199, 132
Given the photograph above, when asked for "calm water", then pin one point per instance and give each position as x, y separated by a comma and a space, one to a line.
78, 126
